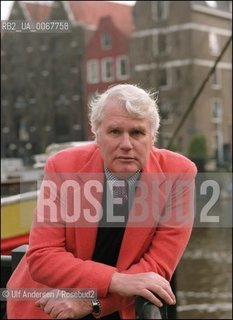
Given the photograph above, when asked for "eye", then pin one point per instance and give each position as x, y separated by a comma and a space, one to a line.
115, 131
137, 133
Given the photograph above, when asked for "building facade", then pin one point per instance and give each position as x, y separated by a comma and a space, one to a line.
41, 84
173, 47
106, 60
42, 81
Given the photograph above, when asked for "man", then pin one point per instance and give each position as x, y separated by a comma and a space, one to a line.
129, 224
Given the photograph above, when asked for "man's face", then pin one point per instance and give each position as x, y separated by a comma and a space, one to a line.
124, 141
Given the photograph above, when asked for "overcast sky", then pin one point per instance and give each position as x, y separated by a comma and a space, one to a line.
6, 5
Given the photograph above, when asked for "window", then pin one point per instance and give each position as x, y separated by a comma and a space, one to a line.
107, 69
163, 44
166, 113
23, 130
216, 111
164, 77
29, 49
32, 100
177, 40
45, 73
122, 68
75, 97
92, 71
211, 4
177, 76
216, 81
73, 44
62, 125
106, 40
155, 48
160, 10
214, 44
74, 70
218, 145
43, 47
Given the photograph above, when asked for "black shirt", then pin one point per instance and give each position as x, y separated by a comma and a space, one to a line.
110, 234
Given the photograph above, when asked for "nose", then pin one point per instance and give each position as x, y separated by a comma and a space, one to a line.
125, 142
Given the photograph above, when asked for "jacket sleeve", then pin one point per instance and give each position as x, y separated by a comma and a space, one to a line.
48, 260
168, 242
174, 229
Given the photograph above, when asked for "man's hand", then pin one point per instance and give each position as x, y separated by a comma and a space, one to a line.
63, 308
149, 285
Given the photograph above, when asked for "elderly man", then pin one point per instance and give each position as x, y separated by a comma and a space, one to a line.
127, 232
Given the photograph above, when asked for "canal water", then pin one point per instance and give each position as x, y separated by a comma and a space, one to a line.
204, 275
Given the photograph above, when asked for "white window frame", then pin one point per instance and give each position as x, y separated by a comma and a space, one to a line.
218, 142
119, 74
93, 71
165, 10
216, 75
218, 118
104, 63
103, 43
167, 86
214, 46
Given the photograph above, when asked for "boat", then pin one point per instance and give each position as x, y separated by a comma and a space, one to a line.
16, 219
17, 209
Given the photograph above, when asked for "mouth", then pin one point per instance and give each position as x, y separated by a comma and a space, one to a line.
126, 158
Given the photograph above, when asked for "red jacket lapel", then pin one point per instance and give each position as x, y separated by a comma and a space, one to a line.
86, 232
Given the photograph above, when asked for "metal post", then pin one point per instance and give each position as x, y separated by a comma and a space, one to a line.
147, 310
17, 255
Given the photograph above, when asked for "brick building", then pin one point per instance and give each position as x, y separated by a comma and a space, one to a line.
106, 59
173, 47
42, 80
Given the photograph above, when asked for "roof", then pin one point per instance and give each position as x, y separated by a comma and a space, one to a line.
37, 11
86, 13
90, 12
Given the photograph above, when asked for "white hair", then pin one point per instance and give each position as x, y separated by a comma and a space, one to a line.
137, 102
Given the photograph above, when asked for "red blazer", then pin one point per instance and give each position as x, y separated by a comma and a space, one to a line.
60, 257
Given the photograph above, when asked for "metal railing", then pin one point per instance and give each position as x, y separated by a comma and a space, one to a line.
147, 310
8, 265
144, 308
